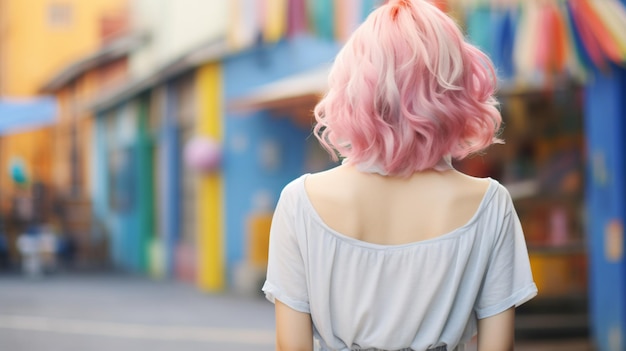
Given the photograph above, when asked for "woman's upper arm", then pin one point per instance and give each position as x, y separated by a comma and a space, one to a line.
497, 333
294, 330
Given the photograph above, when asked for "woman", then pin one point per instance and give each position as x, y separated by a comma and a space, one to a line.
394, 249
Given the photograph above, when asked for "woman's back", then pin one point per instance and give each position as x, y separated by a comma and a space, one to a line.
376, 264
391, 210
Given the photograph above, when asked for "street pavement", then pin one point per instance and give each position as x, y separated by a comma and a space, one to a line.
122, 312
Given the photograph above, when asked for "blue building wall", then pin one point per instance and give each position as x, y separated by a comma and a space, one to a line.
606, 206
262, 153
100, 182
116, 192
170, 161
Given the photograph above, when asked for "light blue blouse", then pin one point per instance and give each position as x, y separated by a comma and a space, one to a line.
419, 296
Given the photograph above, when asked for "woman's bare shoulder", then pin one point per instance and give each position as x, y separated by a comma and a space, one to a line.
466, 185
345, 177
324, 181
466, 179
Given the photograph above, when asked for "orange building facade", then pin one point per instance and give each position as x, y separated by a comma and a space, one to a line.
39, 39
76, 89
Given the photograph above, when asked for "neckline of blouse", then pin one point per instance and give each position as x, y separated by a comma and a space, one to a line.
385, 247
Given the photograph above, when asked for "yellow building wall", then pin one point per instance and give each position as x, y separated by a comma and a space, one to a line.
210, 204
34, 49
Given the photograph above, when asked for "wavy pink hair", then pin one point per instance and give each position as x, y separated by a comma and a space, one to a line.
407, 90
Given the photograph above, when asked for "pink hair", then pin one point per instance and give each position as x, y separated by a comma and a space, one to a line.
407, 90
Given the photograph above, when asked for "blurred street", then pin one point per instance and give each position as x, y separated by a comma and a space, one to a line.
117, 312
122, 312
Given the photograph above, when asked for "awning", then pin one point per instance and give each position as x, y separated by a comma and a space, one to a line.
294, 96
214, 50
115, 50
18, 115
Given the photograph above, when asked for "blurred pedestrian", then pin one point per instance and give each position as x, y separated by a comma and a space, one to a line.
28, 244
395, 249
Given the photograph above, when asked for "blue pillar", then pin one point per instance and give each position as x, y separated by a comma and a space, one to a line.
170, 186
100, 184
605, 110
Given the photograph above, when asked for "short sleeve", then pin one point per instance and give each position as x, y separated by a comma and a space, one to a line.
508, 280
286, 280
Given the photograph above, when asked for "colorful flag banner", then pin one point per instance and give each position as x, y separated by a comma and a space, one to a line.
524, 38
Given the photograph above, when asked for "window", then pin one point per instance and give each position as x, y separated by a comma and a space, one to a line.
59, 15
